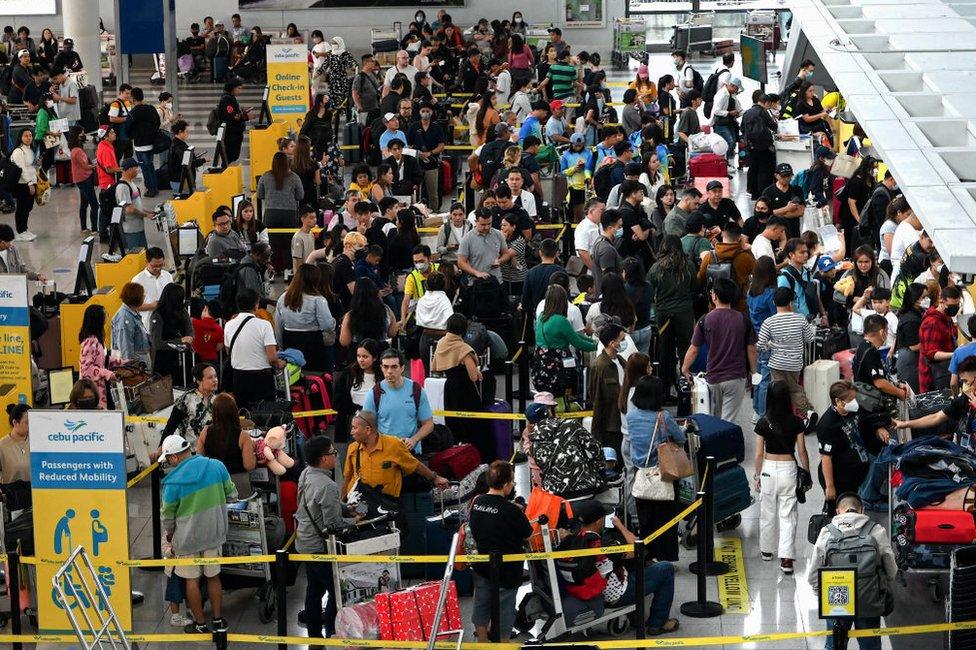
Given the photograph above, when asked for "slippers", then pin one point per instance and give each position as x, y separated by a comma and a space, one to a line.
670, 625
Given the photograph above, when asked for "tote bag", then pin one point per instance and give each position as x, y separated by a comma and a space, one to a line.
648, 484
845, 165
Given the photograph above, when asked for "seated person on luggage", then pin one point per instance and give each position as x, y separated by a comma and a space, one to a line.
591, 583
223, 241
497, 524
401, 406
208, 333
961, 410
379, 460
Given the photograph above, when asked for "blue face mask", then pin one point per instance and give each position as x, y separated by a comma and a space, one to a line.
622, 347
619, 233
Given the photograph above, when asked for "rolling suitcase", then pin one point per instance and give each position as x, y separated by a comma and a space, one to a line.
456, 462
732, 492
352, 134
446, 178
817, 379
684, 398
502, 430
718, 438
708, 165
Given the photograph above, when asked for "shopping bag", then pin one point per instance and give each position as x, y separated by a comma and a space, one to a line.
399, 619
700, 395
426, 596
812, 219
845, 165
673, 461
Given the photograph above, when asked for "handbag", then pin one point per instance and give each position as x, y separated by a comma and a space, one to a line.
51, 140
804, 481
845, 165
154, 394
42, 193
673, 461
816, 524
648, 484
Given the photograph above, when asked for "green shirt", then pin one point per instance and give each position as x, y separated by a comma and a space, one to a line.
558, 333
694, 246
561, 77
673, 292
41, 124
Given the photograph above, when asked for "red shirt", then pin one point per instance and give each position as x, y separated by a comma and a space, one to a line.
105, 156
207, 333
937, 333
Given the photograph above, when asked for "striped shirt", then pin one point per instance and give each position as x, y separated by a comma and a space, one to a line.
562, 76
784, 335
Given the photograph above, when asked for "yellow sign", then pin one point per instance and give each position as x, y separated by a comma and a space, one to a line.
15, 369
838, 593
288, 84
78, 488
733, 588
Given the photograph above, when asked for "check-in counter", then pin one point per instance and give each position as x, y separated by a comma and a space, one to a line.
72, 316
263, 146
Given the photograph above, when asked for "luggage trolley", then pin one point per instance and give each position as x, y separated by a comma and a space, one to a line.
359, 581
28, 576
911, 557
246, 535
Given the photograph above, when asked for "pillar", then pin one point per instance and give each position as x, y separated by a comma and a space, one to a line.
81, 25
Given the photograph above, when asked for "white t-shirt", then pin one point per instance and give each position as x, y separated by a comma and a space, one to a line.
905, 236
70, 112
503, 87
586, 235
889, 227
410, 71
153, 286
528, 203
573, 314
857, 324
762, 247
249, 352
358, 395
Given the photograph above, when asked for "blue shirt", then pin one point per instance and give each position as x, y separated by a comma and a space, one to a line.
398, 415
388, 135
761, 307
640, 424
530, 126
800, 299
961, 354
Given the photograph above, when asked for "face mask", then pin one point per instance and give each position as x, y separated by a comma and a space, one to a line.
622, 346
925, 303
422, 267
761, 214
618, 233
418, 18
49, 103
426, 116
852, 406
518, 21
89, 403
952, 310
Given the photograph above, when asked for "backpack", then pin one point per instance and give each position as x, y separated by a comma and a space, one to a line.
229, 289
858, 549
809, 289
569, 458
801, 180
602, 183
213, 120
581, 571
87, 97
103, 114
6, 79
710, 89
696, 80
487, 299
108, 201
477, 337
378, 393
490, 160
755, 132
10, 173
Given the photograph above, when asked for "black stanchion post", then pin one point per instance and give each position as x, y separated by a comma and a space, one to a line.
701, 607
13, 584
509, 382
706, 526
640, 616
281, 594
495, 631
220, 640
523, 376
839, 633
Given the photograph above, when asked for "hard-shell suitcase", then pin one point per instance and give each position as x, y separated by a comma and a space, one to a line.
457, 462
502, 430
446, 178
417, 506
724, 46
62, 172
732, 492
718, 438
708, 165
846, 360
352, 134
817, 380
941, 526
87, 97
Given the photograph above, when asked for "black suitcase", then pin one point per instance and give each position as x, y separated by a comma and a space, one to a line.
88, 98
89, 120
386, 45
684, 398
352, 134
830, 341
931, 402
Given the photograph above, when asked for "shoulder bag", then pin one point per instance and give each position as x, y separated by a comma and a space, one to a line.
227, 372
869, 397
648, 484
816, 523
673, 461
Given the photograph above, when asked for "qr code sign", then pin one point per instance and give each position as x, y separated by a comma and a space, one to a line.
839, 595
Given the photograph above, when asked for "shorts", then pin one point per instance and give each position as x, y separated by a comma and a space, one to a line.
175, 588
481, 612
192, 571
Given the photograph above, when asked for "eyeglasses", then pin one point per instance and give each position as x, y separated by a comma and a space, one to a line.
332, 452
222, 223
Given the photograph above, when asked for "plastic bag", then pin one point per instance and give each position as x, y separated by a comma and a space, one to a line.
359, 621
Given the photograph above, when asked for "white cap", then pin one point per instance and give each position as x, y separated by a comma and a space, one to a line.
174, 444
389, 116
23, 53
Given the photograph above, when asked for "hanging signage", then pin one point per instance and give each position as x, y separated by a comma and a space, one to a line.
78, 488
15, 362
288, 84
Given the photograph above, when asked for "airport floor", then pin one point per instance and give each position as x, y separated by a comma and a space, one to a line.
776, 602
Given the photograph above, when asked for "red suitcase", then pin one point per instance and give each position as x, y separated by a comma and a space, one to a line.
709, 165
288, 504
834, 201
447, 179
944, 527
845, 359
456, 462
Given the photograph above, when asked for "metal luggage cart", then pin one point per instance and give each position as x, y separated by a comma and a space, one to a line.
247, 535
359, 581
694, 33
629, 40
936, 578
28, 575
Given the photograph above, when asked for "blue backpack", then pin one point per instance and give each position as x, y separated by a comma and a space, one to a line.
801, 180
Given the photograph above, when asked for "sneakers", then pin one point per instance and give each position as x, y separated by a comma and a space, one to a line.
219, 624
28, 235
196, 628
178, 620
786, 566
767, 557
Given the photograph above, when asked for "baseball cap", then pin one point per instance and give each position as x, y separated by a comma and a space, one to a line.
21, 53
735, 81
535, 412
502, 128
577, 138
713, 185
642, 72
784, 169
388, 117
174, 444
128, 163
826, 264
69, 42
556, 104
544, 397
590, 511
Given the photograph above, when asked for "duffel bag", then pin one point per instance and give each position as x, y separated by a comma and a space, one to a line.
456, 462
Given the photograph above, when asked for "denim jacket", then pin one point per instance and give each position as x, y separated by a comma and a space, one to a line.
129, 334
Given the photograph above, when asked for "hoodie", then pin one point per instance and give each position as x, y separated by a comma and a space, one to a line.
847, 522
194, 510
742, 268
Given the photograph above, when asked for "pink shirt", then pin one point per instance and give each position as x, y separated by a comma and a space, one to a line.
79, 165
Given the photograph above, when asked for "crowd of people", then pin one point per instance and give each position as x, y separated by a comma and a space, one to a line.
667, 286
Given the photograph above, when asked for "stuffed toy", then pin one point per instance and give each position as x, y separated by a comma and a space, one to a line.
270, 452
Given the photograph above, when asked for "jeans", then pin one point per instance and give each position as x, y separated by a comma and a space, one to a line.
134, 241
481, 612
174, 186
659, 584
88, 202
867, 622
219, 68
777, 508
148, 167
318, 582
642, 339
759, 392
728, 134
725, 398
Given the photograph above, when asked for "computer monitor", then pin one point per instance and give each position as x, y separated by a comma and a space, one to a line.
188, 241
85, 278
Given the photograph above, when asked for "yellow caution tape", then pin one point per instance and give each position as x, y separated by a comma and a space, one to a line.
192, 561
517, 354
291, 540
141, 475
674, 522
156, 419
475, 415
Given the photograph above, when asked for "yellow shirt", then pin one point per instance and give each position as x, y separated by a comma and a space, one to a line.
410, 286
364, 190
384, 467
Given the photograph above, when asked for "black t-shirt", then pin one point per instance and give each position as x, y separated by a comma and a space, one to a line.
840, 438
499, 525
524, 220
195, 42
721, 215
780, 438
632, 215
958, 407
345, 272
778, 199
752, 227
867, 365
907, 333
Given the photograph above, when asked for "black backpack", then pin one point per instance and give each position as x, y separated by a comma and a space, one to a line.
491, 158
229, 287
696, 80
107, 200
10, 173
213, 121
602, 183
6, 79
754, 129
710, 89
487, 299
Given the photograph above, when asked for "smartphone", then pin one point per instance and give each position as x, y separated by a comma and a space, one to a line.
608, 521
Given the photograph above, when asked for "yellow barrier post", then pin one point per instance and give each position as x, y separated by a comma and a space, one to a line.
225, 183
116, 274
193, 208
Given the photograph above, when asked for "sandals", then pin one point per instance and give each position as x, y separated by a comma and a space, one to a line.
670, 625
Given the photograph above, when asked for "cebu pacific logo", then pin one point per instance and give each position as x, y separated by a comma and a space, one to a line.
73, 426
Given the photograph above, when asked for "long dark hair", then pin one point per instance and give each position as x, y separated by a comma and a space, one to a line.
638, 365
673, 258
556, 302
614, 300
871, 277
367, 313
171, 303
280, 169
74, 136
913, 293
303, 283
355, 372
224, 429
319, 101
779, 406
659, 199
479, 120
407, 227
518, 44
763, 276
93, 324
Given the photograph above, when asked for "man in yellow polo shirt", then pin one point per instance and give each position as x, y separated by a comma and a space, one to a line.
415, 285
379, 460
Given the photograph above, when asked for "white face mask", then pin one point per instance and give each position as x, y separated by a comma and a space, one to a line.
925, 303
852, 406
49, 103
